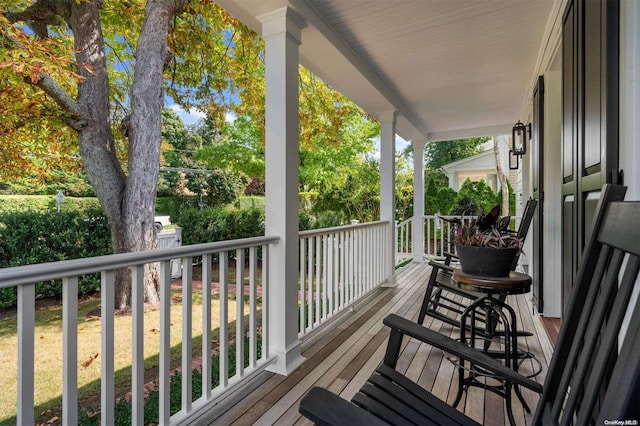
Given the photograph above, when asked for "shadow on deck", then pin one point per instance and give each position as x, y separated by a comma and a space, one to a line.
341, 358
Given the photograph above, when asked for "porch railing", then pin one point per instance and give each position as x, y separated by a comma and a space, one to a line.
437, 236
404, 245
244, 255
337, 267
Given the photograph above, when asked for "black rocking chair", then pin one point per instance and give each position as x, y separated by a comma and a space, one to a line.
593, 377
444, 301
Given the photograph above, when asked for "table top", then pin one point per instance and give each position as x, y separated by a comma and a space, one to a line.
515, 283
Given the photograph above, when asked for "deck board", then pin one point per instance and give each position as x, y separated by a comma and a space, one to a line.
342, 357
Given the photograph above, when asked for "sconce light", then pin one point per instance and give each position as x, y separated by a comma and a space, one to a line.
514, 161
519, 137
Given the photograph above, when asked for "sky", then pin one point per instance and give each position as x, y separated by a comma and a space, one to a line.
192, 116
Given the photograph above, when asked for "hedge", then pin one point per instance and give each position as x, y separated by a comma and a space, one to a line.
28, 238
43, 235
46, 203
219, 224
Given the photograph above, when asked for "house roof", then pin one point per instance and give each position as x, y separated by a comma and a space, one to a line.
452, 69
482, 161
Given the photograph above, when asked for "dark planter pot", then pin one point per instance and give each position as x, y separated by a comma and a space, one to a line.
486, 261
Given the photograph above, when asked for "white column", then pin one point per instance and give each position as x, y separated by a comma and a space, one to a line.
281, 31
417, 229
630, 96
387, 189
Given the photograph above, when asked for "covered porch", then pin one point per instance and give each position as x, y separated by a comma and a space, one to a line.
342, 357
317, 319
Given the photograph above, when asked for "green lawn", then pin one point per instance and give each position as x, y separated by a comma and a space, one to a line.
48, 366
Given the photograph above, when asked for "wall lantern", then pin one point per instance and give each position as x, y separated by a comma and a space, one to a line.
514, 161
519, 137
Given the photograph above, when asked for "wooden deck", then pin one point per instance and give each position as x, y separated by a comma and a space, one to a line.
342, 358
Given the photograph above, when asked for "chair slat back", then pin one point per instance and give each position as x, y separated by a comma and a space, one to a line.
527, 217
525, 224
579, 384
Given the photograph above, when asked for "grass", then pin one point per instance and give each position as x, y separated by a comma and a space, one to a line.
48, 352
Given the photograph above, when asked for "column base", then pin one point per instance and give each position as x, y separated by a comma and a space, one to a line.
390, 282
287, 362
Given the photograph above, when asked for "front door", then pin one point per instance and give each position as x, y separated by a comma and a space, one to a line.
590, 39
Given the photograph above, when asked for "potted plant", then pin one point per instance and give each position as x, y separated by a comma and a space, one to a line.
484, 245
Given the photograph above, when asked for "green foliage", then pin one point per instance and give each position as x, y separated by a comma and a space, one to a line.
238, 147
441, 180
403, 189
219, 188
404, 201
482, 195
251, 202
72, 184
464, 206
446, 199
358, 198
171, 206
219, 224
512, 200
28, 238
46, 203
326, 161
306, 200
431, 199
438, 197
327, 219
437, 154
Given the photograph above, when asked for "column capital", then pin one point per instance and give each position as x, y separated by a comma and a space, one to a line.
387, 116
283, 21
418, 144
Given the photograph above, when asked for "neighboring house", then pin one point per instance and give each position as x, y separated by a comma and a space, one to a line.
482, 166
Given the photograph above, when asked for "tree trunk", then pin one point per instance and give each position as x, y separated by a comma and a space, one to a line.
501, 178
128, 200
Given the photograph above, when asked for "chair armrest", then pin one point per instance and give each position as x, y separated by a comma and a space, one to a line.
402, 326
441, 266
448, 255
325, 408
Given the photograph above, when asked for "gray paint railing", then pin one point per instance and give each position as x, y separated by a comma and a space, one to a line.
337, 267
26, 277
437, 236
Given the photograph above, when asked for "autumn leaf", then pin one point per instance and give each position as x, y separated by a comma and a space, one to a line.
89, 360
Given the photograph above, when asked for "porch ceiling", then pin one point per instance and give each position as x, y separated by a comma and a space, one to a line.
450, 68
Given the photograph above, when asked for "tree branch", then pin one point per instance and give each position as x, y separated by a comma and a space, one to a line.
78, 121
41, 14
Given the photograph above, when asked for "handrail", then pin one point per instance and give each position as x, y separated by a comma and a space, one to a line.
316, 232
11, 277
246, 254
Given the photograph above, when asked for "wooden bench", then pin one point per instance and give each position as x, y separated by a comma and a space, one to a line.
593, 376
